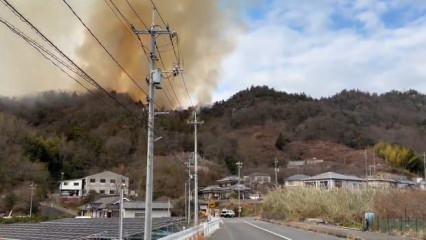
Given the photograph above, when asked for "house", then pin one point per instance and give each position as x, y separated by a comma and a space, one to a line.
225, 189
106, 183
295, 180
405, 184
71, 188
257, 178
228, 181
332, 180
109, 206
381, 183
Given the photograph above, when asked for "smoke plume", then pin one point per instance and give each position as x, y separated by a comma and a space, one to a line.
202, 27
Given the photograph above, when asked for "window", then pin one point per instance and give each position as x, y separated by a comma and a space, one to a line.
92, 180
323, 184
338, 183
123, 180
111, 192
112, 181
102, 191
65, 183
76, 184
103, 180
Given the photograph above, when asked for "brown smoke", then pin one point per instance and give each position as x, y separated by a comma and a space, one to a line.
204, 34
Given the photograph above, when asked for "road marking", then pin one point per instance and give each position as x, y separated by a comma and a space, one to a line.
268, 231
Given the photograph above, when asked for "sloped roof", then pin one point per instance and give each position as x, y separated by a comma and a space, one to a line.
141, 205
228, 178
213, 188
106, 172
333, 175
297, 177
240, 187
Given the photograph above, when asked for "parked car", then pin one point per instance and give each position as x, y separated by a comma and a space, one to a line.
227, 213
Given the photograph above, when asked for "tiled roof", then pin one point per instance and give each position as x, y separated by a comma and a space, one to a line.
297, 177
333, 175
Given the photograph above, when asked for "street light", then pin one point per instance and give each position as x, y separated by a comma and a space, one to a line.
239, 165
32, 186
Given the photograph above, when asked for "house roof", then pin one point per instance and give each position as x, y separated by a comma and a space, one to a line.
333, 175
372, 179
141, 205
106, 172
228, 179
240, 187
259, 174
297, 177
213, 188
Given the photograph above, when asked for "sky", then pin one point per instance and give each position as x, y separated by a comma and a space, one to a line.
322, 47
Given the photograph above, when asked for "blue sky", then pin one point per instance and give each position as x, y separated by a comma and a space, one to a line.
322, 47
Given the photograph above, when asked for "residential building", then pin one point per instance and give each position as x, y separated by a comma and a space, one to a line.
405, 184
332, 180
381, 183
108, 206
225, 189
228, 181
301, 163
106, 183
257, 178
71, 188
295, 180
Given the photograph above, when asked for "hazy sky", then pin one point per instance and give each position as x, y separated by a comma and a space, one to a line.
318, 47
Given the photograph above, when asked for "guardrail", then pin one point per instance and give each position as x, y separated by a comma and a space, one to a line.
204, 229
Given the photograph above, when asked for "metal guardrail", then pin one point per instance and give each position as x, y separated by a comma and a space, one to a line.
204, 229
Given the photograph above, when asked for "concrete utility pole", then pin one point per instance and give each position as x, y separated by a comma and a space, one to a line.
424, 165
276, 170
239, 165
366, 163
195, 122
121, 211
189, 192
32, 186
155, 78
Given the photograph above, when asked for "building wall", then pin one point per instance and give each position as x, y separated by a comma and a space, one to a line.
329, 184
298, 183
74, 186
107, 183
141, 213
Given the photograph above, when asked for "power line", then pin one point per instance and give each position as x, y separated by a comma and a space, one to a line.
136, 14
178, 57
43, 52
103, 46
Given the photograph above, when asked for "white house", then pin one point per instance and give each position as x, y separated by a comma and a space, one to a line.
108, 206
71, 188
332, 180
106, 183
295, 180
381, 183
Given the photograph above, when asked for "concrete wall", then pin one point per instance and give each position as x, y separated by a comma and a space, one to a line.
107, 183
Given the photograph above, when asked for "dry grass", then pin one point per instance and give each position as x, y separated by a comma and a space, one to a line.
339, 207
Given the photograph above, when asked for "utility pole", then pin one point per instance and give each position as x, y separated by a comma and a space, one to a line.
155, 77
189, 192
239, 165
32, 186
276, 170
366, 163
186, 203
424, 166
195, 122
121, 211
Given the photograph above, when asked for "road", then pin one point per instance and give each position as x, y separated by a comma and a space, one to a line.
249, 229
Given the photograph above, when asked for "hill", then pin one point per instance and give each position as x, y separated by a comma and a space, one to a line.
44, 135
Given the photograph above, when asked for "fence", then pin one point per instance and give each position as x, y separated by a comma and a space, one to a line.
204, 229
414, 227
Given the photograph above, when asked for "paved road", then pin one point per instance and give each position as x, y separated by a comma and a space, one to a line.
249, 229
